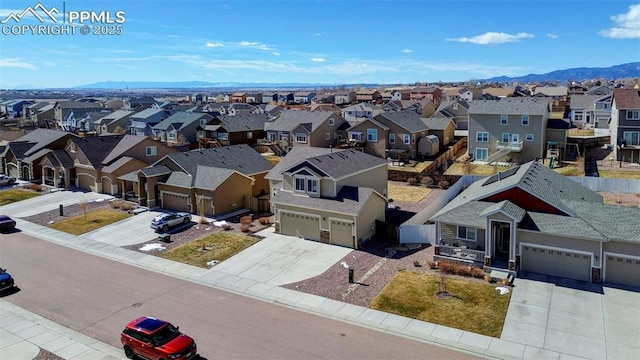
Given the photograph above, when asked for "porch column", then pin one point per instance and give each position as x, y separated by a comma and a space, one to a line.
488, 246
512, 245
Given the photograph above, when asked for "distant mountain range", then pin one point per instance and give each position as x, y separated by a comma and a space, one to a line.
630, 70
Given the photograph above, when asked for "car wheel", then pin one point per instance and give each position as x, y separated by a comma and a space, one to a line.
11, 182
186, 221
165, 228
128, 352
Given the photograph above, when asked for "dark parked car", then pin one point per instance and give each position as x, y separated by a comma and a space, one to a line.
6, 281
7, 223
156, 339
165, 221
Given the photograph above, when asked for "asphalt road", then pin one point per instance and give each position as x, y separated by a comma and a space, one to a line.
97, 297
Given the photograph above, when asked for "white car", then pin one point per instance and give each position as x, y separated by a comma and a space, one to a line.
7, 180
165, 221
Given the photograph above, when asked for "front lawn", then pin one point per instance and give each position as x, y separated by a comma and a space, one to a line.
619, 174
81, 224
475, 306
15, 195
473, 169
218, 246
409, 193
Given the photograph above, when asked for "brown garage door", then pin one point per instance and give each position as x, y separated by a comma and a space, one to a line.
177, 202
342, 233
622, 270
305, 226
86, 182
556, 262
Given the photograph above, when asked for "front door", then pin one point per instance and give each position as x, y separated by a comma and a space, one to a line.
515, 138
502, 237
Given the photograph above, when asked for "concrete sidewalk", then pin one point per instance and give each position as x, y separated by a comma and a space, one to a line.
23, 334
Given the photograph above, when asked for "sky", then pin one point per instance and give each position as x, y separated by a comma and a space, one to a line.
324, 42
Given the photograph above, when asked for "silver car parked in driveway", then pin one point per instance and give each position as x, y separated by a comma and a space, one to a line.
165, 221
7, 180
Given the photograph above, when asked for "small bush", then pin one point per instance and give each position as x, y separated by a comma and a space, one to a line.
416, 263
116, 204
443, 184
126, 206
34, 187
412, 181
227, 227
264, 220
433, 264
245, 228
427, 181
246, 220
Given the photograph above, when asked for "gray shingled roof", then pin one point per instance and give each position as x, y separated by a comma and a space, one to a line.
564, 226
249, 122
117, 164
510, 106
340, 164
294, 157
146, 113
210, 178
182, 118
409, 120
506, 207
350, 200
241, 158
437, 123
155, 170
125, 144
583, 101
613, 221
291, 119
41, 138
97, 148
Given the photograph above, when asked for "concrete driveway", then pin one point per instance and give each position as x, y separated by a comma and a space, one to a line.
280, 259
50, 201
573, 318
130, 231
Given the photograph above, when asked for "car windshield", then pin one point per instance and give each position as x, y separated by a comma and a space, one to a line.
165, 335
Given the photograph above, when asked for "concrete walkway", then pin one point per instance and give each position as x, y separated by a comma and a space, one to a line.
544, 321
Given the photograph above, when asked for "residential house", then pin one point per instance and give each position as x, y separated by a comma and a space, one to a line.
496, 93
361, 111
590, 110
469, 94
240, 109
457, 110
67, 112
254, 98
36, 114
443, 128
405, 105
143, 121
555, 92
232, 130
599, 90
344, 97
199, 98
367, 95
531, 219
141, 103
114, 104
304, 97
508, 129
272, 110
87, 122
117, 122
269, 98
625, 124
20, 158
180, 128
213, 181
386, 96
15, 108
335, 198
392, 134
286, 98
304, 128
324, 107
432, 93
239, 97
96, 163
400, 95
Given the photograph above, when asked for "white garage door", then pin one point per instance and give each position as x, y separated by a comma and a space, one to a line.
86, 182
342, 233
300, 225
12, 170
177, 202
622, 270
556, 262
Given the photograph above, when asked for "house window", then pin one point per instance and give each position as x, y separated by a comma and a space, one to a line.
223, 136
578, 116
332, 122
200, 133
482, 136
392, 138
631, 137
528, 137
300, 184
306, 184
506, 137
455, 106
151, 151
406, 139
633, 114
482, 154
504, 119
327, 136
372, 135
312, 186
525, 120
413, 138
249, 135
466, 233
355, 136
172, 135
301, 138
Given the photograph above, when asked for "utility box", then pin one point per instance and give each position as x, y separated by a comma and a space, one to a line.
350, 275
164, 238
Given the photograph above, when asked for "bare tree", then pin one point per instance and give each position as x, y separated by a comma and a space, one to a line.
84, 207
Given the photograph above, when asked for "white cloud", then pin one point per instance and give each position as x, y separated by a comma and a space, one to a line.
553, 36
255, 45
318, 59
406, 51
625, 26
493, 38
214, 44
275, 53
17, 64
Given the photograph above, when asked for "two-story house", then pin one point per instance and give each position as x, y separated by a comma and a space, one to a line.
334, 198
457, 110
590, 110
118, 122
508, 129
232, 130
400, 95
239, 97
143, 121
367, 95
361, 111
180, 128
304, 97
66, 112
625, 124
270, 98
432, 93
254, 98
344, 97
304, 128
36, 114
